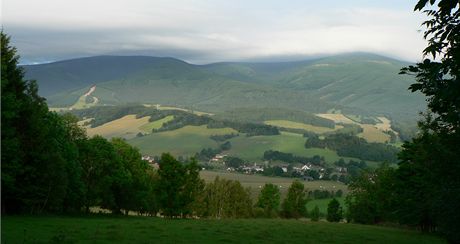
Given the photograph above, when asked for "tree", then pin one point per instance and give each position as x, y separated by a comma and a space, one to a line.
179, 186
171, 180
433, 154
134, 185
334, 211
102, 173
39, 168
315, 214
226, 199
294, 204
269, 200
193, 189
372, 196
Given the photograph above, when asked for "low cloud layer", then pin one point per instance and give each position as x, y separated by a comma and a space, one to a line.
211, 31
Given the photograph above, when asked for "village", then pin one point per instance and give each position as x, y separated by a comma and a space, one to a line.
306, 171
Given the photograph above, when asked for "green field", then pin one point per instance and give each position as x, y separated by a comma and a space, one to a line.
107, 229
256, 182
303, 126
185, 141
189, 140
322, 204
157, 124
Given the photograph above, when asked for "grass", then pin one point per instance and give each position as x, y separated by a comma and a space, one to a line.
252, 148
147, 128
107, 229
322, 204
126, 127
189, 140
337, 118
256, 182
185, 141
303, 126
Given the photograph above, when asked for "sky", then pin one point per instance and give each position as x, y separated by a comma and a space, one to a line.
205, 31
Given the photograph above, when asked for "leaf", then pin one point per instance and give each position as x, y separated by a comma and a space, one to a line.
420, 5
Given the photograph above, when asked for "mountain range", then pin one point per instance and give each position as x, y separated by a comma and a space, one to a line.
354, 83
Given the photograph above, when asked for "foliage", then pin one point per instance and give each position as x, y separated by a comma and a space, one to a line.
221, 138
334, 211
226, 199
39, 168
353, 146
269, 200
372, 197
294, 204
290, 158
180, 185
428, 171
315, 214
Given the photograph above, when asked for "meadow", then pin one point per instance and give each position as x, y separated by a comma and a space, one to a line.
322, 204
297, 125
157, 124
136, 229
185, 141
125, 127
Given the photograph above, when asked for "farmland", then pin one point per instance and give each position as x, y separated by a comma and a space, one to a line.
110, 229
256, 182
297, 125
126, 127
185, 141
147, 128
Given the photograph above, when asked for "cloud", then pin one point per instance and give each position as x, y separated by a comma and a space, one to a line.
209, 31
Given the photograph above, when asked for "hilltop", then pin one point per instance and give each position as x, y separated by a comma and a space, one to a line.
356, 83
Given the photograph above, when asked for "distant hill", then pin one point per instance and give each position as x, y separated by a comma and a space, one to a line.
357, 83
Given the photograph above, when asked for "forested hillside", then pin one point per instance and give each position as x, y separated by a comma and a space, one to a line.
358, 83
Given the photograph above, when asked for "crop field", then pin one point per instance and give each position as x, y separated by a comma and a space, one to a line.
161, 107
303, 126
126, 127
372, 134
337, 118
147, 128
256, 182
185, 141
137, 229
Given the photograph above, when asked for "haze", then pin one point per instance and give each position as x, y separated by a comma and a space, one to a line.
211, 31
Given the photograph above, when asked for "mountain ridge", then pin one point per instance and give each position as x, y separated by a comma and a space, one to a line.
356, 82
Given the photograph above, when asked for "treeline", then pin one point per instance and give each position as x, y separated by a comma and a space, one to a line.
250, 129
260, 115
208, 153
102, 115
352, 146
221, 138
290, 158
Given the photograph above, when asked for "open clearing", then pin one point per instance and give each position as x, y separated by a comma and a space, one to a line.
135, 229
256, 182
337, 118
253, 148
372, 134
297, 125
157, 124
185, 141
126, 127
